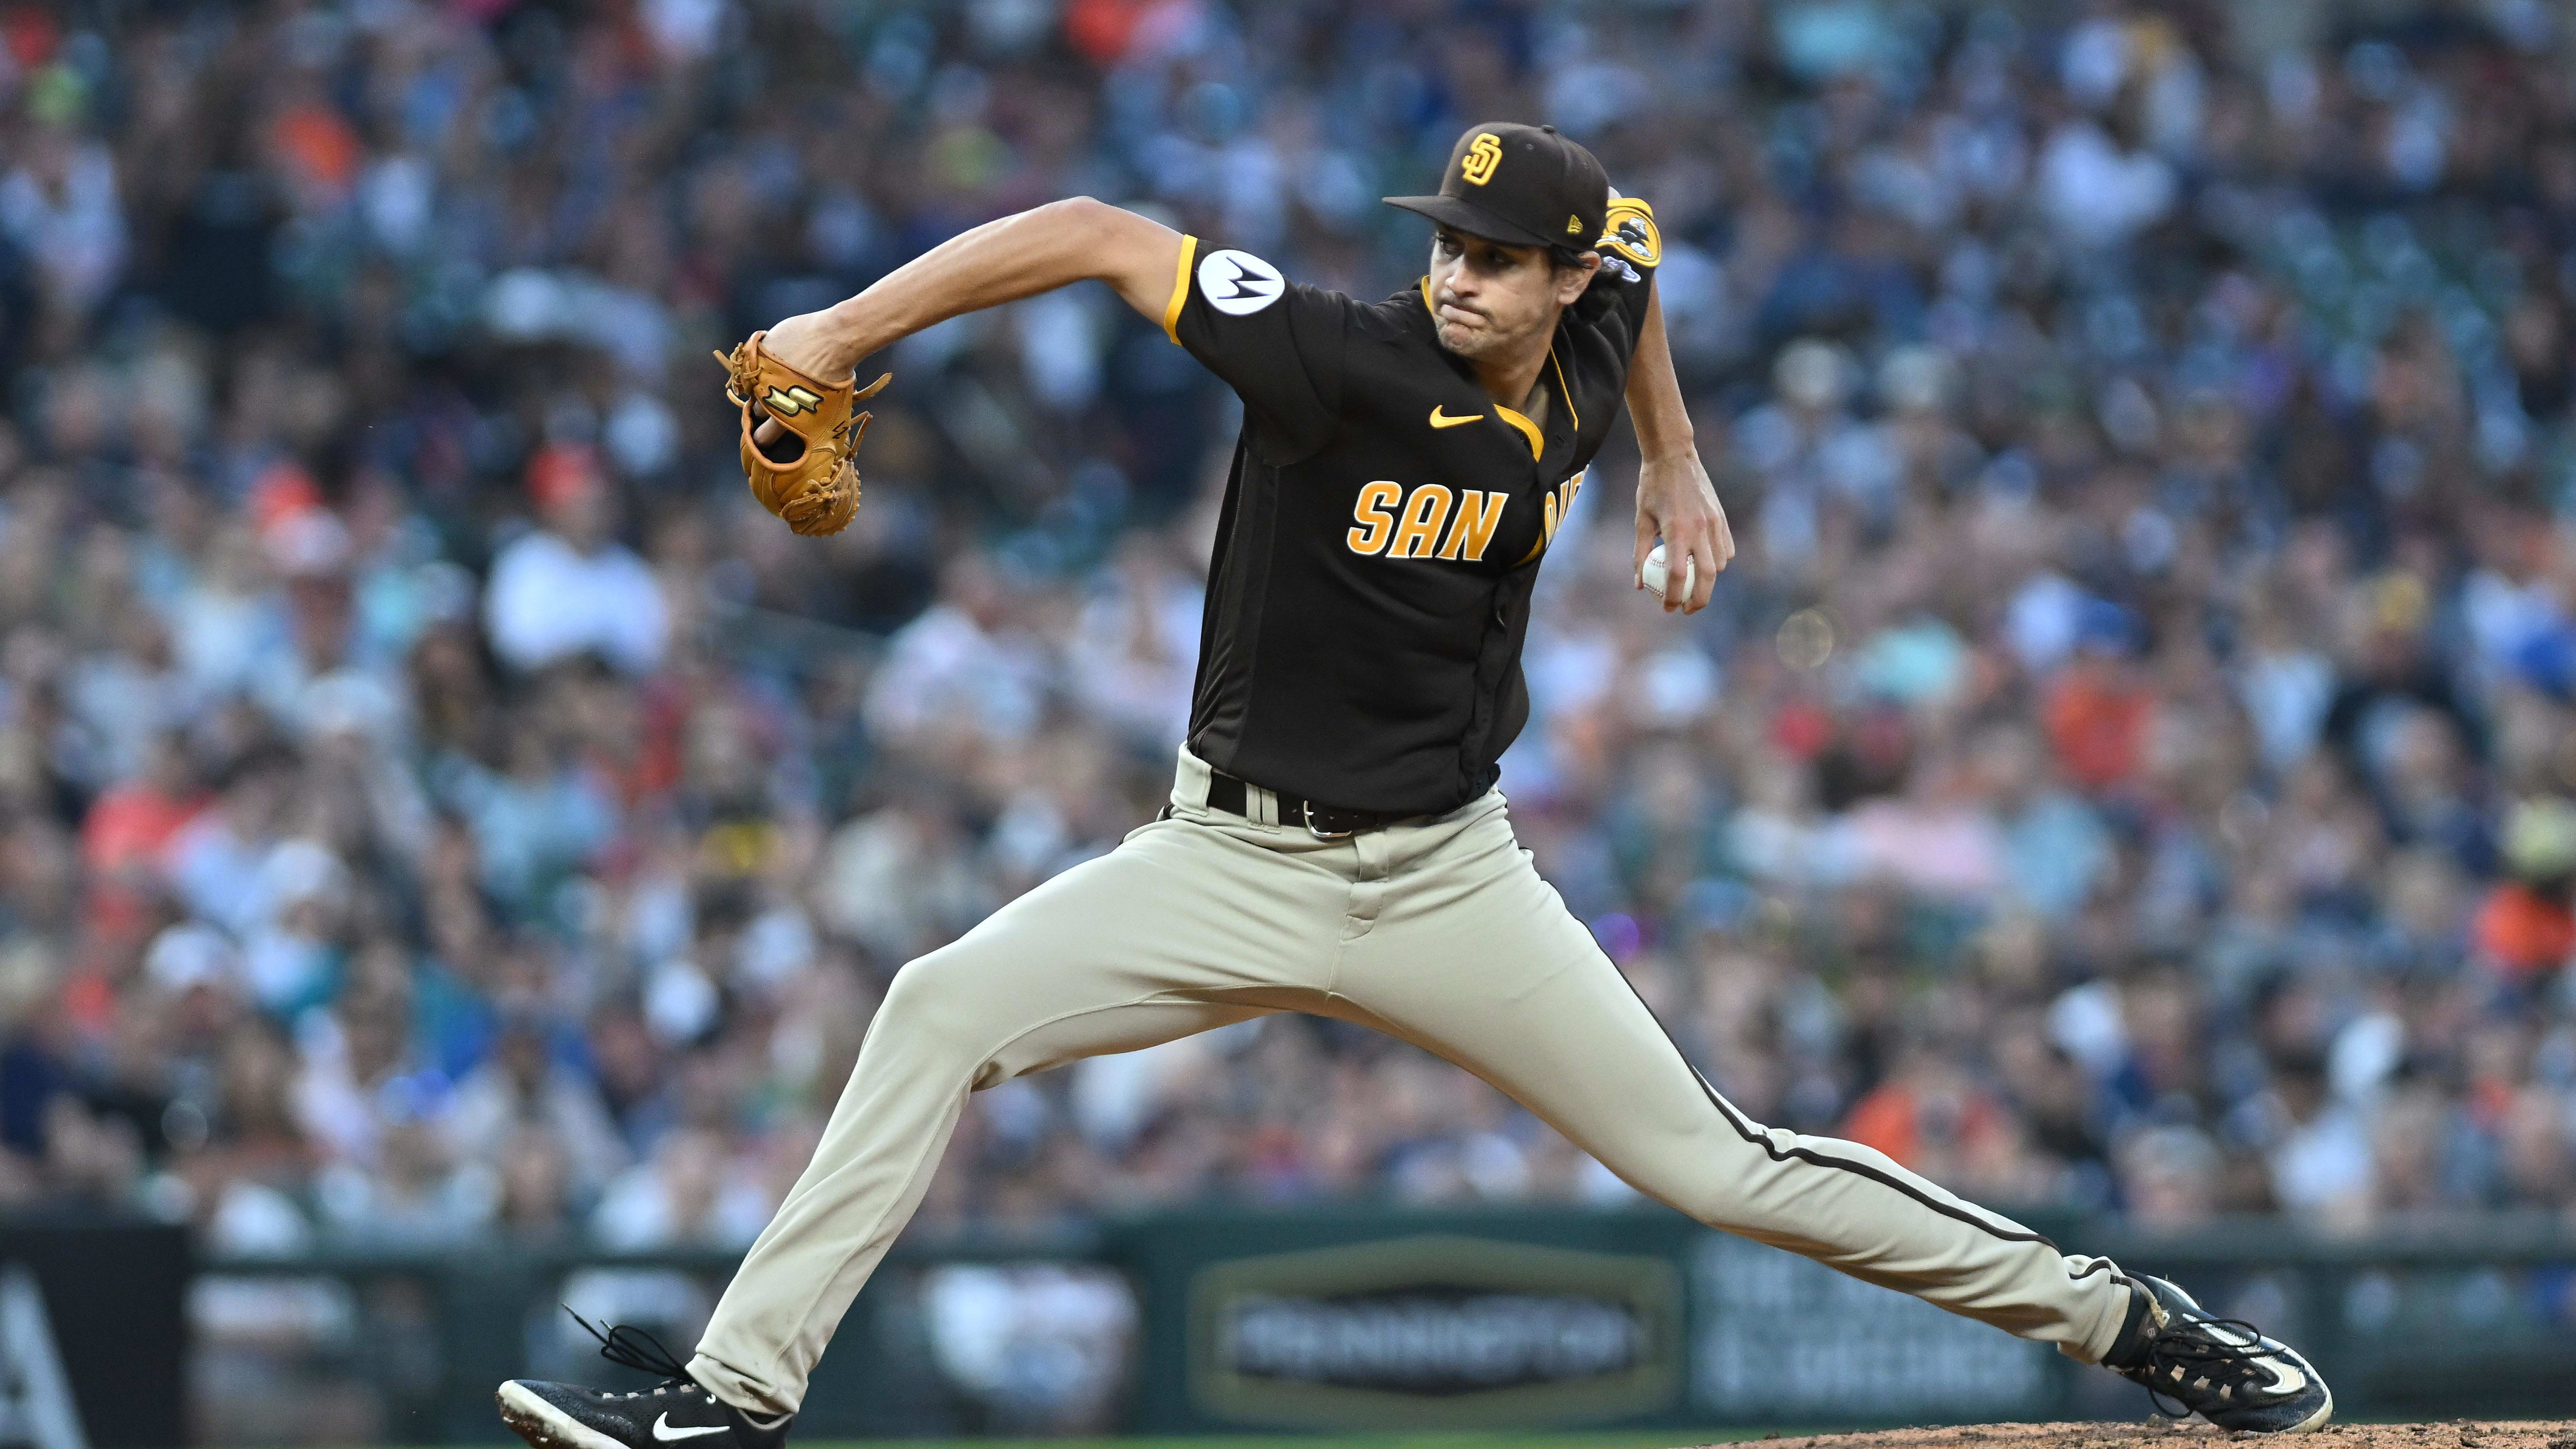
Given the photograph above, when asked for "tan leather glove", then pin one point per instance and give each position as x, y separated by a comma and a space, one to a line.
817, 488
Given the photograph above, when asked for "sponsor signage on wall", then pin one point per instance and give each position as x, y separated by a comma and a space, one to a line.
1781, 1339
1434, 1331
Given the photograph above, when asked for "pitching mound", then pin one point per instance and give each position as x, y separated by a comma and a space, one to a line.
2455, 1434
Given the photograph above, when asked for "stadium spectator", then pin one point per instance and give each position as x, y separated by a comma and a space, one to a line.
2127, 771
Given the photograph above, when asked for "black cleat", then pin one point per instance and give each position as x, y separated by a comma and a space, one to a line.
679, 1411
2219, 1368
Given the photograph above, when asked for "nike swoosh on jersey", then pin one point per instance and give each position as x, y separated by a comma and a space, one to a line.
1440, 421
663, 1431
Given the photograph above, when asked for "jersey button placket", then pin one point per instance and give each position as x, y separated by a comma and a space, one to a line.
1550, 430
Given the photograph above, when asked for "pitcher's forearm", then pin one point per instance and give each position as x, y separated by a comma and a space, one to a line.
1003, 261
1655, 394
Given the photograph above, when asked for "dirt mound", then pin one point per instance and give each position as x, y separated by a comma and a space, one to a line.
2164, 1434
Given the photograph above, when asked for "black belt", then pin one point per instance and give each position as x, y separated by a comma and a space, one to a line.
1325, 822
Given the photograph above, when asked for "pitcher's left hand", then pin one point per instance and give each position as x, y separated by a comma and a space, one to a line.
1676, 502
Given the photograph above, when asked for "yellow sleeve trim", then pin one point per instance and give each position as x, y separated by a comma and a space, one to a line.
1180, 290
1528, 429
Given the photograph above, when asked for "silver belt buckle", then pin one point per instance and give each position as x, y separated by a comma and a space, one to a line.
1307, 809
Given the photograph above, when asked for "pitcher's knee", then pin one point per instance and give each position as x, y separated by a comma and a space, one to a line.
1718, 1178
936, 1007
1700, 1196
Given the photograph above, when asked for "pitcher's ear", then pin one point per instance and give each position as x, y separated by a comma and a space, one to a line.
1575, 277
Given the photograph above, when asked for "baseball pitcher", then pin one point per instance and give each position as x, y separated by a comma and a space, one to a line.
1334, 842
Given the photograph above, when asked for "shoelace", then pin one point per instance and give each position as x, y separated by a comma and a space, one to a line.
630, 1347
2193, 1341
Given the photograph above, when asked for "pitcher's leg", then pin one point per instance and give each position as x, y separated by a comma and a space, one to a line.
1480, 962
1181, 929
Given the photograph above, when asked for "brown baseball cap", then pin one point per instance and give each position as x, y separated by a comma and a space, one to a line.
1522, 185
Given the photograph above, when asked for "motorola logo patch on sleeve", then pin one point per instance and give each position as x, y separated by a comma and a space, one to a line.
1239, 283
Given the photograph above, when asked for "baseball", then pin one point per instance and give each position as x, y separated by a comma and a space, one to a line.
1654, 573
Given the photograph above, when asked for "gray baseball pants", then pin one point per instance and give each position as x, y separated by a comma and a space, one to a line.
1438, 932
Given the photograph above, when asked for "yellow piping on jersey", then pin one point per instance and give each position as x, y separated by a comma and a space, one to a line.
1528, 429
1426, 296
1564, 394
1180, 290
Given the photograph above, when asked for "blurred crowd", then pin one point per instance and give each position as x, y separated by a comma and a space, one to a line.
2129, 769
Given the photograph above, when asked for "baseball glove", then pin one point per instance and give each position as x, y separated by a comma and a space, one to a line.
817, 489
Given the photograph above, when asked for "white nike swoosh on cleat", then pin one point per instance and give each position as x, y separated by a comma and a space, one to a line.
663, 1431
2285, 1379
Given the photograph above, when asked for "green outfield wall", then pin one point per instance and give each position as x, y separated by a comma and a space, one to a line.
1221, 1321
